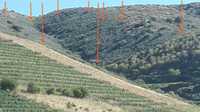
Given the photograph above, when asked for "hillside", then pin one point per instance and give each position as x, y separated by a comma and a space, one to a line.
19, 25
9, 103
145, 48
41, 68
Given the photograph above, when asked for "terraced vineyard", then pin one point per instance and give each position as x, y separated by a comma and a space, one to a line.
23, 65
10, 103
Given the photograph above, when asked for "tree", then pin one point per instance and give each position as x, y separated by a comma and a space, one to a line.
80, 92
68, 92
174, 72
177, 20
8, 85
51, 91
33, 88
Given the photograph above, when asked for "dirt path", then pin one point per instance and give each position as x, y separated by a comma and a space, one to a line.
100, 75
71, 104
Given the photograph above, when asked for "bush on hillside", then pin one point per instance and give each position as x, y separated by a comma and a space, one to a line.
197, 11
80, 92
76, 92
51, 91
68, 92
59, 90
8, 85
169, 20
174, 72
16, 28
33, 88
9, 22
177, 20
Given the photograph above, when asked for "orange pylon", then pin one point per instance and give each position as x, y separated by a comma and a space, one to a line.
97, 34
88, 8
106, 15
122, 14
58, 8
103, 12
30, 17
5, 9
181, 16
42, 34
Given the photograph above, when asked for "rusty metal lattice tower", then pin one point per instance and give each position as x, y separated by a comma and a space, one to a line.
5, 9
30, 17
42, 34
98, 17
122, 12
58, 8
181, 18
103, 12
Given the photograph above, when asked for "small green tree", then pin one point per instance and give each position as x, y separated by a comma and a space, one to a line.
80, 92
77, 93
33, 88
51, 91
174, 72
8, 85
68, 92
84, 92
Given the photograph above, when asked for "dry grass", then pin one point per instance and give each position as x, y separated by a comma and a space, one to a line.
71, 104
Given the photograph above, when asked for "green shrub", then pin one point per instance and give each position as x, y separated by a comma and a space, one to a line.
69, 105
174, 72
68, 92
59, 90
9, 22
16, 28
8, 85
33, 88
169, 20
80, 92
51, 91
177, 20
76, 92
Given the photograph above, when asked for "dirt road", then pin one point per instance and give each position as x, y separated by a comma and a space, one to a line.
98, 74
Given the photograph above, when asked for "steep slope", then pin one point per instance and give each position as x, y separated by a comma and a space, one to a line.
72, 104
19, 25
143, 29
25, 64
145, 48
9, 103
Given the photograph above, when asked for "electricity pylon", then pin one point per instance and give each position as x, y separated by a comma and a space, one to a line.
98, 34
88, 8
103, 12
58, 8
181, 16
106, 13
5, 9
42, 34
122, 14
30, 17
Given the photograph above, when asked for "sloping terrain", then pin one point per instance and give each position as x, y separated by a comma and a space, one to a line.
72, 104
145, 48
19, 25
27, 66
9, 103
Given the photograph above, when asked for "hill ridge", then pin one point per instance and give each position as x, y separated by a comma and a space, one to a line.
95, 73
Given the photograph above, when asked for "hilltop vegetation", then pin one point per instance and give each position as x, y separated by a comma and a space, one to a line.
18, 25
145, 48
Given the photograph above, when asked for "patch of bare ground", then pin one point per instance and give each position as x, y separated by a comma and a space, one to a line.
71, 104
